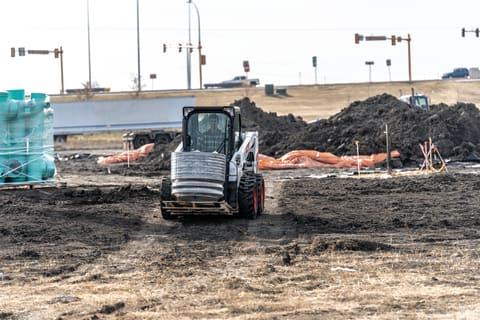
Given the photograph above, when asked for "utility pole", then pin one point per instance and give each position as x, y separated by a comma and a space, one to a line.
394, 39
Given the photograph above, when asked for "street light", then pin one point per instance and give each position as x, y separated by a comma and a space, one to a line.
139, 81
200, 58
89, 87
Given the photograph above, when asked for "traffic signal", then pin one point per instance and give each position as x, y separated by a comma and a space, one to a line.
21, 52
357, 38
204, 59
389, 62
463, 32
179, 47
477, 32
164, 48
12, 52
314, 61
56, 53
394, 40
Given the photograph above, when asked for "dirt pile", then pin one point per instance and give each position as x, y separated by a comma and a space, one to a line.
455, 130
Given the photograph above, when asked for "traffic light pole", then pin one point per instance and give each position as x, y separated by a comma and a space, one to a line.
409, 59
61, 70
394, 39
58, 53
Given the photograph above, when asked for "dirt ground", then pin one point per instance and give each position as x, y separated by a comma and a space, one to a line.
330, 245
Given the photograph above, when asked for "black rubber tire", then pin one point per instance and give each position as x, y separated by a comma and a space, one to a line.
166, 195
260, 193
140, 140
162, 138
247, 196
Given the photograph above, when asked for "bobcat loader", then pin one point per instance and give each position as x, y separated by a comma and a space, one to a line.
214, 170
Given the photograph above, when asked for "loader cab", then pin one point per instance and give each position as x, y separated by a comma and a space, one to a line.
209, 129
417, 100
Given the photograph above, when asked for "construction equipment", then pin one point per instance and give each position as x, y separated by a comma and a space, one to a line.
416, 100
214, 170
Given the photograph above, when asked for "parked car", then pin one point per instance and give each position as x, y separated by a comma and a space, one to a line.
456, 73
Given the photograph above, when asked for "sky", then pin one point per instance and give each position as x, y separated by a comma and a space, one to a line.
277, 37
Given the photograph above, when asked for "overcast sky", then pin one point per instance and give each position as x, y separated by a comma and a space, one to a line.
277, 37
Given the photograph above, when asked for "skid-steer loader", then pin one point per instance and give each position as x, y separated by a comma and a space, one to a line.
214, 170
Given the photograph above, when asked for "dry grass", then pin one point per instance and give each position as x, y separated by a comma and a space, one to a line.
339, 285
92, 141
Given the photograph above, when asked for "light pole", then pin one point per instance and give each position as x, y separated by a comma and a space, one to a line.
89, 87
200, 60
189, 63
139, 81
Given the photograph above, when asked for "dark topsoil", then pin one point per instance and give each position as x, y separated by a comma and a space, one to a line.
64, 248
455, 130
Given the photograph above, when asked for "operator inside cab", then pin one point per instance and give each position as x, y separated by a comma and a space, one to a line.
210, 136
213, 138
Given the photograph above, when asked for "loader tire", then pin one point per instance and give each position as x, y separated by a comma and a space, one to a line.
260, 193
166, 195
248, 196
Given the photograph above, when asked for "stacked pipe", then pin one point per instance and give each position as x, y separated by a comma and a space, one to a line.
26, 138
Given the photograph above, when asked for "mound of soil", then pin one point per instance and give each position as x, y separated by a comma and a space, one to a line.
455, 130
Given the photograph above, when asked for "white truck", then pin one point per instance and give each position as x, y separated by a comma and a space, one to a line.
236, 82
